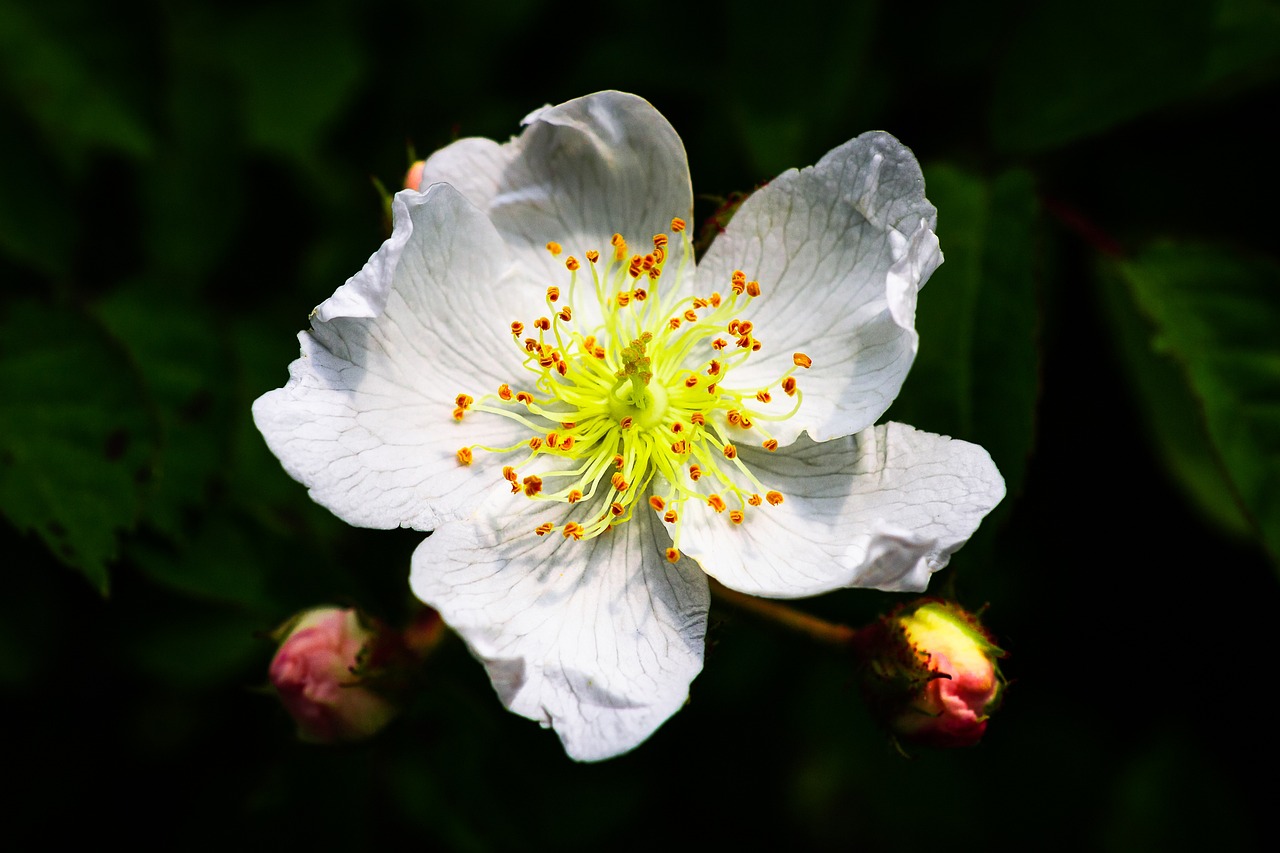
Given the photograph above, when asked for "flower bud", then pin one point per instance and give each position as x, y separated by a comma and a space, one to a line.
413, 178
316, 673
931, 674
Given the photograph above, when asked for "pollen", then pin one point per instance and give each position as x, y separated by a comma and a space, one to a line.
544, 528
464, 456
771, 445
616, 509
504, 391
719, 344
626, 422
553, 293
736, 516
593, 255
517, 328
755, 500
619, 482
730, 452
671, 516
532, 484
695, 473
524, 397
680, 447
753, 288
459, 413
565, 314
574, 496
573, 530
572, 264
789, 386
716, 502
542, 323
697, 419
657, 503
673, 555
535, 443
463, 401
677, 225
802, 360
764, 396
618, 461
554, 248
774, 498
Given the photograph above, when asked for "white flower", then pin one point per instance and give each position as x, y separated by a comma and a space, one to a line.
588, 436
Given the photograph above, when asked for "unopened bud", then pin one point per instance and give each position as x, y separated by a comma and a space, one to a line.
413, 177
931, 674
317, 674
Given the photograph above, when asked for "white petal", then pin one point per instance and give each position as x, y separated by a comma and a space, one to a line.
840, 250
588, 168
884, 509
472, 166
598, 639
365, 421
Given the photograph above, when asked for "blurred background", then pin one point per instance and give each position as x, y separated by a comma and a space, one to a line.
184, 181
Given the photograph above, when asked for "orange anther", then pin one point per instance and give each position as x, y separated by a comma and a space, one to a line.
659, 240
680, 447
674, 323
567, 443
771, 445
730, 452
713, 369
553, 438
657, 503
697, 419
746, 422
565, 314
736, 516
544, 528
532, 484
517, 328
763, 396
619, 482
593, 255
463, 401
719, 343
691, 315
640, 294
616, 240
573, 530
715, 300
553, 293
464, 456
655, 273
572, 264
623, 298
626, 422
677, 427
574, 496
459, 413
633, 269
509, 473
774, 498
789, 386
755, 345
716, 502
648, 262
598, 351
755, 500
616, 508
695, 473
542, 323
802, 360
734, 417
677, 224
690, 381
504, 391
535, 443
554, 248
618, 461
524, 397
531, 344
753, 288
711, 389
673, 556
671, 516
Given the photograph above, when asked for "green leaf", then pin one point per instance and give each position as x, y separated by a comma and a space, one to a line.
72, 103
1078, 67
77, 439
977, 374
1160, 387
1216, 313
186, 364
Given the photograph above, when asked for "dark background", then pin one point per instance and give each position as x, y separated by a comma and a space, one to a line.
183, 181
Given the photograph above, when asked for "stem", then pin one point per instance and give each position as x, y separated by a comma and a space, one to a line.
803, 623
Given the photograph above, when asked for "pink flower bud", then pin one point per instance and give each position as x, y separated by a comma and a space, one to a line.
932, 674
413, 178
315, 675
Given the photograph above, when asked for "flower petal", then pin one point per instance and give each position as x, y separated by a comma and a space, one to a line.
884, 508
473, 166
598, 639
585, 169
840, 250
365, 421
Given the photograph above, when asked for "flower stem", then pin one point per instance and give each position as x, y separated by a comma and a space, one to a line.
803, 623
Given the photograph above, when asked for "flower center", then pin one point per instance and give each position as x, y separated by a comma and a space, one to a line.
642, 406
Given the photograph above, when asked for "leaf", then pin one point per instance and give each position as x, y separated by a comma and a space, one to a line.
1216, 313
977, 374
77, 439
1161, 388
1078, 67
186, 365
